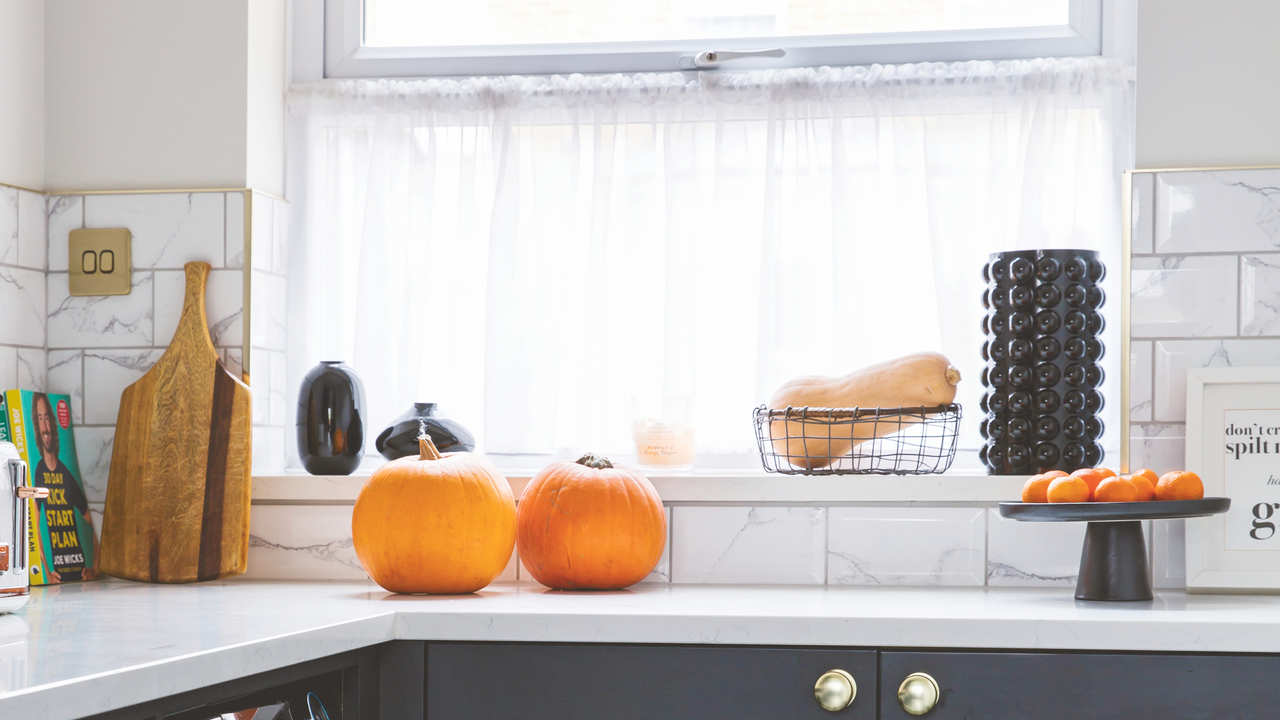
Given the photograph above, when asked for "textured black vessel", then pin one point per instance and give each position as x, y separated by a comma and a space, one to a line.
1042, 351
400, 438
331, 419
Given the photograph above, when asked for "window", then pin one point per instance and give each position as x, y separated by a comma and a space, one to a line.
408, 38
532, 253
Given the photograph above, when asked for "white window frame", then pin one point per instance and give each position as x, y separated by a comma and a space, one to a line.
345, 57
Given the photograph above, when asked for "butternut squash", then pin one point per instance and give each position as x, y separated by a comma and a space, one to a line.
924, 379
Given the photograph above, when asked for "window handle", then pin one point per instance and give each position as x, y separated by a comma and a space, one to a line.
713, 58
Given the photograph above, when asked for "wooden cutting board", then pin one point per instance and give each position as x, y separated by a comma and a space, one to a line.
178, 496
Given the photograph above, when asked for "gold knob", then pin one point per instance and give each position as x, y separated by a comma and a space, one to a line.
918, 693
835, 690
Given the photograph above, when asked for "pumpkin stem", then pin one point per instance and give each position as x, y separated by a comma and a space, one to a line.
426, 449
953, 375
592, 460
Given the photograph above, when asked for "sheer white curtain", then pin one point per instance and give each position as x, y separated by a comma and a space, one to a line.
533, 252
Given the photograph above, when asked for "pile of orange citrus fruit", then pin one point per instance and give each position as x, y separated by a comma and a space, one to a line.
1103, 485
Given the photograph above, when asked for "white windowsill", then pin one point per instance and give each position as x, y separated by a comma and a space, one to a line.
734, 487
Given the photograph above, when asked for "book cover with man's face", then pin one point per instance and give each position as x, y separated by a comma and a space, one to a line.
61, 527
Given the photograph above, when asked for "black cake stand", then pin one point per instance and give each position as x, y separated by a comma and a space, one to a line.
1113, 564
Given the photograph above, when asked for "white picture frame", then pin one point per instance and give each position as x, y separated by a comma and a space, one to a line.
1228, 552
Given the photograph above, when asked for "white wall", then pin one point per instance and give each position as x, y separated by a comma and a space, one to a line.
157, 94
265, 94
1208, 83
22, 93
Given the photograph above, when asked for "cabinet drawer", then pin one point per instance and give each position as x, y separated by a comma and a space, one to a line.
1061, 686
496, 681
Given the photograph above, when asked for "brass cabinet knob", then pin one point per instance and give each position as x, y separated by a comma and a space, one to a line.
835, 690
918, 693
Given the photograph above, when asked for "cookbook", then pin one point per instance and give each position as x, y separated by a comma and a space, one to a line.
62, 544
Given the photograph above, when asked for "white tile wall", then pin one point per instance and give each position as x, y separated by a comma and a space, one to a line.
101, 321
66, 213
1216, 237
235, 230
224, 305
112, 371
1168, 553
22, 297
1174, 357
288, 542
1159, 446
268, 311
273, 397
66, 376
268, 448
906, 546
1142, 238
94, 445
32, 230
8, 225
1178, 296
168, 229
749, 545
1028, 554
1229, 211
8, 367
1260, 295
32, 369
1140, 380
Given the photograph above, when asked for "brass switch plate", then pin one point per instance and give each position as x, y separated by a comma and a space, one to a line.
100, 262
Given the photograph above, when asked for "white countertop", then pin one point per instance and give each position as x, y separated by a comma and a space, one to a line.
81, 649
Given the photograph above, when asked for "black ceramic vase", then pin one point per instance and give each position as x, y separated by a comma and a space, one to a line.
400, 438
331, 419
1042, 376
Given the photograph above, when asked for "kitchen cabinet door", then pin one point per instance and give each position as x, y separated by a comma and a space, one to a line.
526, 681
1086, 686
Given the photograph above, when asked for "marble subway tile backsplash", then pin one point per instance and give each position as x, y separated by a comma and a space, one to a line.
169, 229
292, 542
1217, 211
1260, 295
1184, 296
1023, 554
749, 545
906, 546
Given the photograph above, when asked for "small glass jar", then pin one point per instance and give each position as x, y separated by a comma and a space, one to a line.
663, 435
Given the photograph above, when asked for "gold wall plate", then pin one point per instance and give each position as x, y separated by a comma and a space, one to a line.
100, 262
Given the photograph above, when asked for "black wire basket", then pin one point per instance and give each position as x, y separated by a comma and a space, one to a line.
858, 441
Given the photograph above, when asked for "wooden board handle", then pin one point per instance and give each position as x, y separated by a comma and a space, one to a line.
193, 326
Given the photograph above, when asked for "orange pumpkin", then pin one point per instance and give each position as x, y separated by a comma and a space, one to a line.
588, 525
440, 524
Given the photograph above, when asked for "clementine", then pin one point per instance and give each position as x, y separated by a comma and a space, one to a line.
1115, 489
1149, 474
1093, 476
1146, 489
1034, 491
1068, 489
1179, 485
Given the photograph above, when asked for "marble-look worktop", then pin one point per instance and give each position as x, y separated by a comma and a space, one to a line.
81, 649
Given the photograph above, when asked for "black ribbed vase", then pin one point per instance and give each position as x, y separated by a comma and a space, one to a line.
1042, 351
331, 419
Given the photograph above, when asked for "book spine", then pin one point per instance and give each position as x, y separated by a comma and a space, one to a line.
17, 428
4, 419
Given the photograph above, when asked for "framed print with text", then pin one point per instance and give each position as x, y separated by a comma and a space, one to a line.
1233, 443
